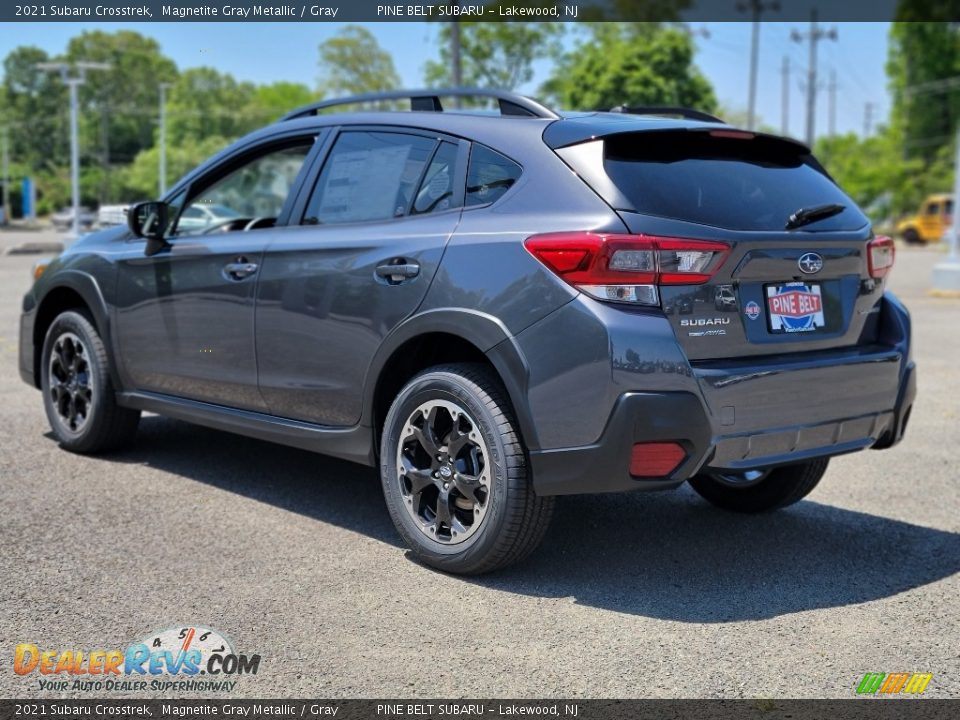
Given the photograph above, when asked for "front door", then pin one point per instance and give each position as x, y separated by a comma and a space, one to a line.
185, 316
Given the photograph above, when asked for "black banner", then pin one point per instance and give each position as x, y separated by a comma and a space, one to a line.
853, 709
487, 10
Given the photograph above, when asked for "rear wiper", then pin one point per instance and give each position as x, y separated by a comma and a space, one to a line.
805, 216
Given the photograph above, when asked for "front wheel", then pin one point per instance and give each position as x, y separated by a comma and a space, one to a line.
77, 393
455, 474
761, 490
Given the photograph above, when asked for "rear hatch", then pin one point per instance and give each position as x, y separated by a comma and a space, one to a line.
782, 286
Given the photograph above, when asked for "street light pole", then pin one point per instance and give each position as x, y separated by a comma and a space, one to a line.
74, 82
163, 138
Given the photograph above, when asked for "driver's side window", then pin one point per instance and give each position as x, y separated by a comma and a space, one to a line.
249, 196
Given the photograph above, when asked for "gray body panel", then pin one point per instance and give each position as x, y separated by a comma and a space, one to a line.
296, 352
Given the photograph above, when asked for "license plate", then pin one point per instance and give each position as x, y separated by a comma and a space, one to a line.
794, 307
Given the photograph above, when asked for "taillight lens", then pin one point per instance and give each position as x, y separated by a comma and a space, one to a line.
626, 268
881, 253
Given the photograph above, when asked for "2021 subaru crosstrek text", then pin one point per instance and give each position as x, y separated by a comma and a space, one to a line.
495, 309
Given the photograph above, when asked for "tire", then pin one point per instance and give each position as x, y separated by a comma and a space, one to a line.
776, 488
912, 237
78, 396
477, 499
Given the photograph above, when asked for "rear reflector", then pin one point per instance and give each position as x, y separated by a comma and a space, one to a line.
626, 268
880, 256
656, 459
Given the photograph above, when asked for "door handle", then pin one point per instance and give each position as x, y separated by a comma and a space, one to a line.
240, 269
398, 270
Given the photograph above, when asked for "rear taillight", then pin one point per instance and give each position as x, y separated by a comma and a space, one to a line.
626, 268
880, 256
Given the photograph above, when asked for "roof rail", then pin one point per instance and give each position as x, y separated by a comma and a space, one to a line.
429, 101
687, 113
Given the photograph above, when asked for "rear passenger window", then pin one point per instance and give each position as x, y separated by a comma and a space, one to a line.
370, 176
489, 176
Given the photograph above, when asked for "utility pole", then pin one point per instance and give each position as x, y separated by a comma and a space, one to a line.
814, 36
756, 8
6, 175
785, 97
163, 138
832, 107
867, 119
74, 82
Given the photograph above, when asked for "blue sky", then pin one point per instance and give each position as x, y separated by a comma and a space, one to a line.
288, 51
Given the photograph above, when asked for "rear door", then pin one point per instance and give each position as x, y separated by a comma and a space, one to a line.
779, 290
372, 231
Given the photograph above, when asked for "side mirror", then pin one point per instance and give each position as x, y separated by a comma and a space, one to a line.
149, 220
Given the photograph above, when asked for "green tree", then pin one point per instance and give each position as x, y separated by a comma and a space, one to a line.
875, 174
352, 62
120, 105
206, 103
926, 110
495, 54
279, 98
140, 177
622, 64
34, 109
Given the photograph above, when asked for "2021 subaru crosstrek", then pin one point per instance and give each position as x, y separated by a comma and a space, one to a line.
495, 309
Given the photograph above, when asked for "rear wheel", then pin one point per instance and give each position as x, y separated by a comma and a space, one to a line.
77, 393
455, 475
761, 490
911, 237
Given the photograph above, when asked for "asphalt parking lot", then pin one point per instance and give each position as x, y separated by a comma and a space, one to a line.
293, 557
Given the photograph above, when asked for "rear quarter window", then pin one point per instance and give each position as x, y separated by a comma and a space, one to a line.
489, 176
733, 183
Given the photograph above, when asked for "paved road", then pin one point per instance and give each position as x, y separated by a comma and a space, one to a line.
293, 556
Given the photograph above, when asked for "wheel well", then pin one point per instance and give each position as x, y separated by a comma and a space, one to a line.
412, 357
56, 301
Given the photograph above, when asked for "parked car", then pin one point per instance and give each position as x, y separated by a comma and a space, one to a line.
63, 219
724, 298
476, 306
110, 215
200, 217
931, 221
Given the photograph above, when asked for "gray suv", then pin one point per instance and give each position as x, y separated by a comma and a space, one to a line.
494, 308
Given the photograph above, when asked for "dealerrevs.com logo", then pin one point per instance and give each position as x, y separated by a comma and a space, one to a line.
181, 658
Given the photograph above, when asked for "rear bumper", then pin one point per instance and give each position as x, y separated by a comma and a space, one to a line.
685, 418
742, 415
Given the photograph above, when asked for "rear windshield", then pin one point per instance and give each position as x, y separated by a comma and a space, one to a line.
740, 184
